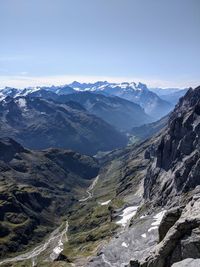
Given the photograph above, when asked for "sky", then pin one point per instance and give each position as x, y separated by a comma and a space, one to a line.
45, 42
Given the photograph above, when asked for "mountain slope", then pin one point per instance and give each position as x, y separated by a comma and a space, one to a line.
177, 153
161, 178
137, 93
36, 91
116, 111
37, 189
170, 95
146, 198
148, 130
39, 124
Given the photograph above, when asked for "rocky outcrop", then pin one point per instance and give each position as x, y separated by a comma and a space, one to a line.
175, 168
187, 263
168, 221
173, 179
178, 242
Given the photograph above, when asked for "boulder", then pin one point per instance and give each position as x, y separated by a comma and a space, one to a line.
187, 263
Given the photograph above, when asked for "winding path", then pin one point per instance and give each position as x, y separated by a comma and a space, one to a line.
54, 242
89, 190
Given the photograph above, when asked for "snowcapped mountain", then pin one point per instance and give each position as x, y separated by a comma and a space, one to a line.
138, 93
135, 92
38, 123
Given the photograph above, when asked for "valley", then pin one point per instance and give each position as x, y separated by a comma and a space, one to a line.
115, 210
100, 133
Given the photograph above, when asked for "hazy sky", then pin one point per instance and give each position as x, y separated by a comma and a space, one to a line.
57, 41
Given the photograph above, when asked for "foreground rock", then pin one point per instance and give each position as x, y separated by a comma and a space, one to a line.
182, 240
187, 263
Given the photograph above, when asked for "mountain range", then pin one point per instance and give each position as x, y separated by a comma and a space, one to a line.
36, 190
39, 123
171, 95
137, 93
121, 113
135, 206
152, 101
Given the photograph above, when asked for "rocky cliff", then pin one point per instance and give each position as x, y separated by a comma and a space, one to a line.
175, 168
172, 180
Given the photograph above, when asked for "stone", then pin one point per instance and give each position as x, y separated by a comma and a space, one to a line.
187, 263
168, 221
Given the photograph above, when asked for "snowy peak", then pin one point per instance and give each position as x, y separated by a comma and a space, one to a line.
103, 85
135, 92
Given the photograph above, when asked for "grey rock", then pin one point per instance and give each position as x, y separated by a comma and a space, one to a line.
176, 165
168, 221
187, 263
181, 241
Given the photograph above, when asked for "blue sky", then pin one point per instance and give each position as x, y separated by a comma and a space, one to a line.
58, 41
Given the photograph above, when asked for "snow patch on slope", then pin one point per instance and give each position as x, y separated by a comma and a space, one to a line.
127, 214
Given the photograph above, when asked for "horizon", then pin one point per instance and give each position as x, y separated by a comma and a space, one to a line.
58, 42
30, 82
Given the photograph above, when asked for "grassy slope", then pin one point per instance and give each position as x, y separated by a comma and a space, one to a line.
90, 224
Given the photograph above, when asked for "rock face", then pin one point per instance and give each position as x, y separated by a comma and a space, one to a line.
175, 169
187, 263
168, 221
173, 178
181, 241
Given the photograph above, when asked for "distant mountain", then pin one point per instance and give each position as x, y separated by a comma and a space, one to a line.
137, 93
121, 113
38, 124
153, 105
166, 91
37, 189
36, 91
171, 95
148, 130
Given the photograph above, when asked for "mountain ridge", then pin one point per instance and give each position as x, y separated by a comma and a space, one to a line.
38, 123
135, 92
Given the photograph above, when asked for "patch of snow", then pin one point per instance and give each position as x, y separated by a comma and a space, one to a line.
144, 235
127, 214
152, 228
158, 218
34, 262
21, 102
59, 248
124, 245
105, 203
